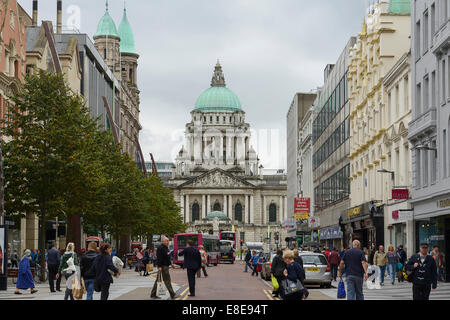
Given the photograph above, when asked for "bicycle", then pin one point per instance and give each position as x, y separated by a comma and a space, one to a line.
38, 271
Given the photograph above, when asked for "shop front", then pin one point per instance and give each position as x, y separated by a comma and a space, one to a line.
400, 226
364, 223
331, 237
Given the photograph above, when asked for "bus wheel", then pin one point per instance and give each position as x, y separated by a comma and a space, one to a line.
215, 264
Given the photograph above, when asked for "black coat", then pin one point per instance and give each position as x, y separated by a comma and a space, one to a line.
101, 265
53, 257
299, 260
86, 262
192, 258
278, 266
424, 274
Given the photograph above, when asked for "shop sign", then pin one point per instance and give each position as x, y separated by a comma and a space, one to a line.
400, 194
302, 208
404, 216
330, 233
444, 203
440, 237
288, 224
313, 222
395, 214
354, 212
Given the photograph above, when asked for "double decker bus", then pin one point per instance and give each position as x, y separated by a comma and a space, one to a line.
230, 236
208, 241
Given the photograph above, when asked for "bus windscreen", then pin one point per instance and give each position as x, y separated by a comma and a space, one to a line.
182, 240
227, 236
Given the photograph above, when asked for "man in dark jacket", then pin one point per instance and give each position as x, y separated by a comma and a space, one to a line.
247, 259
277, 269
87, 272
424, 273
53, 261
163, 263
192, 262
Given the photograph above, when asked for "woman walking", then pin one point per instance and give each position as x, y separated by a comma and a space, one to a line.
67, 268
392, 263
25, 277
140, 262
294, 275
204, 257
102, 266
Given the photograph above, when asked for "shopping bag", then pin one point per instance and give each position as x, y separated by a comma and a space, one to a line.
341, 294
399, 266
77, 288
149, 268
160, 291
275, 284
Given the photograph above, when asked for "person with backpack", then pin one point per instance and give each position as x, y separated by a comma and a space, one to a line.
102, 267
255, 260
422, 272
247, 259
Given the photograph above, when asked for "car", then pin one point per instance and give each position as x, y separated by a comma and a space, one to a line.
265, 271
317, 269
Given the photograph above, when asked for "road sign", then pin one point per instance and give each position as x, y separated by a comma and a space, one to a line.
302, 208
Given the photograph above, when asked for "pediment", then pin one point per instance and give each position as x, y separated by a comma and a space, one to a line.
216, 178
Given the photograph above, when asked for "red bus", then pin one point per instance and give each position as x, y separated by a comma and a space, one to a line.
209, 241
98, 240
229, 235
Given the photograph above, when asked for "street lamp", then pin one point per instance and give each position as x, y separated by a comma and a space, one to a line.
387, 171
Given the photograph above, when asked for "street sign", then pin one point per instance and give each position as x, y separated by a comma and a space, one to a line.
400, 194
313, 222
302, 208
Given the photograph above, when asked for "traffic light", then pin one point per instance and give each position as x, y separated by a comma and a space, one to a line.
276, 236
242, 242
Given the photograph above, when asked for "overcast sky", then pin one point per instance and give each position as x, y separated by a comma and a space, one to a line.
269, 50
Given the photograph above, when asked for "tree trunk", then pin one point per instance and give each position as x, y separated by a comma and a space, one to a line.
43, 242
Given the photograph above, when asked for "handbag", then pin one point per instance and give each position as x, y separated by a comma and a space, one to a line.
78, 288
160, 291
291, 287
275, 284
341, 294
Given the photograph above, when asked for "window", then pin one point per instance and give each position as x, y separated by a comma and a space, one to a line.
417, 44
418, 167
426, 96
425, 167
238, 212
443, 86
418, 99
397, 102
272, 213
433, 20
444, 158
217, 207
389, 111
425, 32
433, 155
104, 53
217, 119
195, 212
433, 89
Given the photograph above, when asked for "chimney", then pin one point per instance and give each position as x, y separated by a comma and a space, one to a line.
35, 12
59, 17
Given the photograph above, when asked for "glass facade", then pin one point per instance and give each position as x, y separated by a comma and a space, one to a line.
333, 190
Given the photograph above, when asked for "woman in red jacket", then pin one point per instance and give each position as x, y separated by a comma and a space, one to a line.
334, 261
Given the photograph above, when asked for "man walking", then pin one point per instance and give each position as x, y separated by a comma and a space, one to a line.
192, 262
247, 259
15, 259
164, 263
87, 272
53, 261
424, 273
380, 260
356, 270
334, 261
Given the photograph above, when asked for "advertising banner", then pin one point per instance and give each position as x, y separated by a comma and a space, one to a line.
400, 194
302, 208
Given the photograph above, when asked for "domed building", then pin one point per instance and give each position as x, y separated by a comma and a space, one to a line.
218, 173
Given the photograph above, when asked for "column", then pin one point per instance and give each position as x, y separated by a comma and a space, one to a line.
252, 209
182, 206
225, 211
285, 207
281, 215
230, 207
208, 207
187, 207
265, 220
246, 208
221, 149
203, 206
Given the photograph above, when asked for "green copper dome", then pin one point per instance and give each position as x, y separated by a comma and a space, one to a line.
126, 35
400, 7
218, 97
106, 27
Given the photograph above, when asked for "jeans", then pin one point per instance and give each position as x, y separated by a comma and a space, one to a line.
89, 283
355, 288
382, 270
392, 267
254, 270
246, 266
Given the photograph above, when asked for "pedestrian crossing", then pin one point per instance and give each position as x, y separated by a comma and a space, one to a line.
398, 291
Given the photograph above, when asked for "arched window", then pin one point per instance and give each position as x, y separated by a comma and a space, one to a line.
238, 212
195, 212
273, 213
216, 207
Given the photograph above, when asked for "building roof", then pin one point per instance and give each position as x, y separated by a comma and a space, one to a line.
218, 97
106, 27
126, 35
400, 7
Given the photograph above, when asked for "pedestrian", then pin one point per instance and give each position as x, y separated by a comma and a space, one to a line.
53, 261
87, 271
277, 270
402, 259
114, 252
14, 259
341, 256
140, 261
380, 260
67, 268
25, 277
293, 273
102, 266
356, 271
163, 263
247, 260
146, 261
438, 258
33, 256
392, 263
372, 254
334, 261
327, 253
255, 259
424, 273
204, 257
297, 258
192, 262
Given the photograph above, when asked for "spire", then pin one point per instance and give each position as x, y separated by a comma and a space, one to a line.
106, 26
218, 79
127, 44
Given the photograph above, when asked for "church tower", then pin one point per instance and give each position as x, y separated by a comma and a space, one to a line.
107, 42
